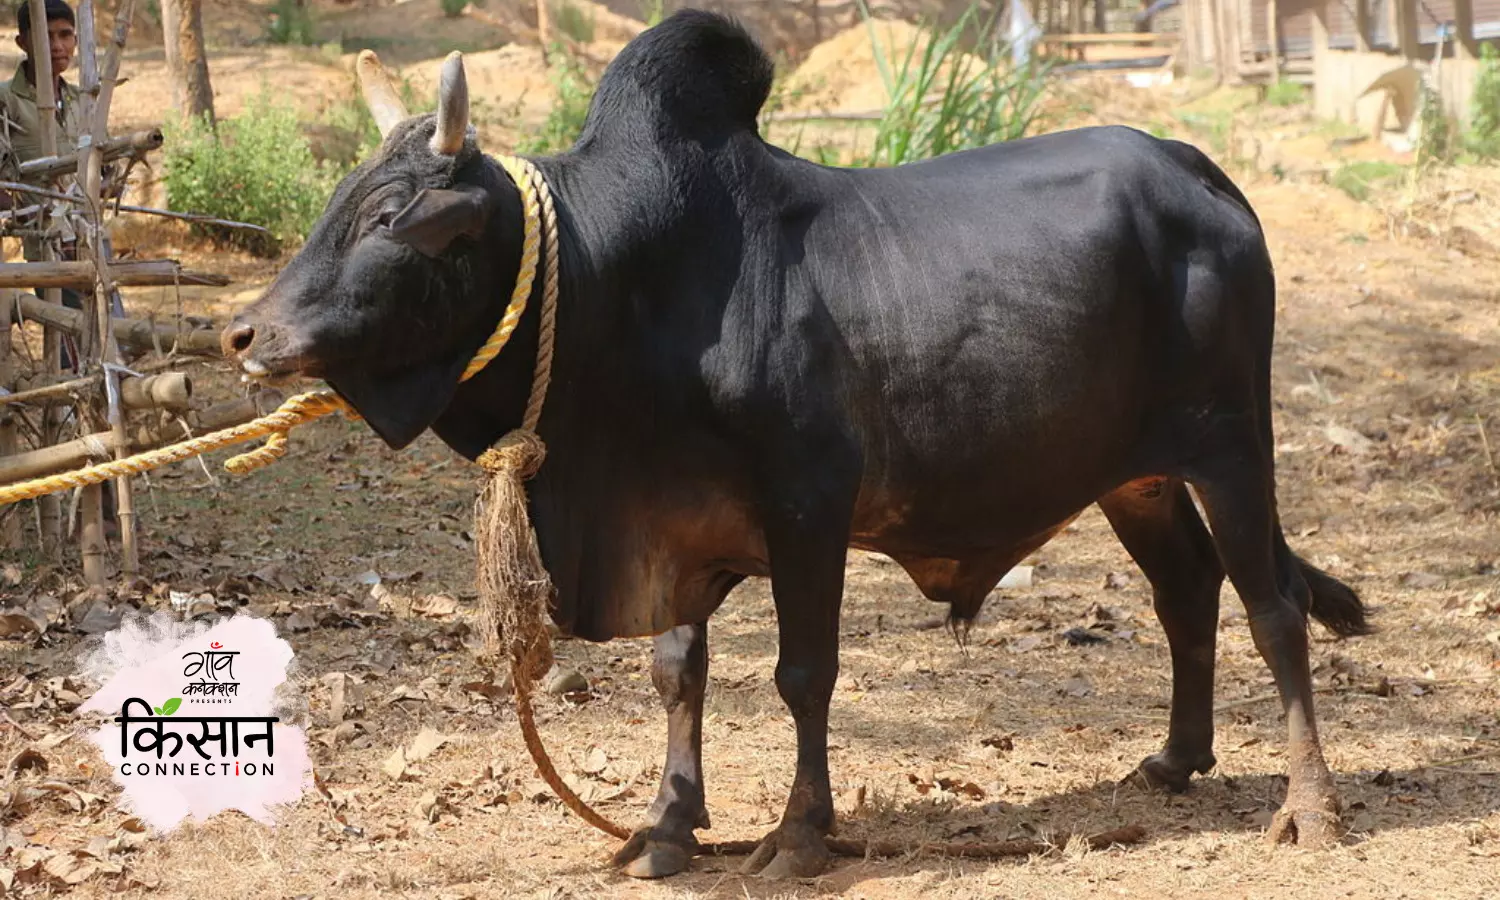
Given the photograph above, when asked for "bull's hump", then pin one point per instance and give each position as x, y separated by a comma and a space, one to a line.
697, 69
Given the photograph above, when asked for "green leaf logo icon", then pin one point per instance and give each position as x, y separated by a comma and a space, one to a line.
166, 709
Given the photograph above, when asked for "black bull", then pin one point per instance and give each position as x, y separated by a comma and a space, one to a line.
762, 362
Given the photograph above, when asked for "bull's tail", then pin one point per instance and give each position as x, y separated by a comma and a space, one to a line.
1334, 603
1197, 162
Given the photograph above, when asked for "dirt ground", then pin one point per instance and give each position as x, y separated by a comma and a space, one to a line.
1386, 379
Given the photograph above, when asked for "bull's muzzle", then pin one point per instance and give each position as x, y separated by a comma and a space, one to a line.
261, 350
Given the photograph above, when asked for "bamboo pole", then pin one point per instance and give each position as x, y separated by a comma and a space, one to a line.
10, 520
168, 390
101, 86
49, 167
96, 447
50, 507
139, 335
96, 330
135, 273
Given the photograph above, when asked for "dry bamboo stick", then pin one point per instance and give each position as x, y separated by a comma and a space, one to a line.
10, 525
38, 389
168, 390
96, 447
48, 167
139, 335
96, 330
90, 164
80, 275
147, 210
49, 507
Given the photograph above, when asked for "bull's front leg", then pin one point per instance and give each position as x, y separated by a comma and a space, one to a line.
679, 670
807, 549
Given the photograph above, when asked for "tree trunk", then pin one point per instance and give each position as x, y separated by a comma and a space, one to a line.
1101, 22
169, 17
192, 94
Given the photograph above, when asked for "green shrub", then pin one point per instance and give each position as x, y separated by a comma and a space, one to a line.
945, 99
1435, 143
1286, 93
257, 168
1358, 178
575, 91
1484, 117
291, 23
453, 8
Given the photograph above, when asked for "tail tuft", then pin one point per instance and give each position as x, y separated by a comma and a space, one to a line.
1335, 604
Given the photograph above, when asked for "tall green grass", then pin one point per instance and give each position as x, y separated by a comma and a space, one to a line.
943, 98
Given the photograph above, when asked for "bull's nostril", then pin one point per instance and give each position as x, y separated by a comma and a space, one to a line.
240, 337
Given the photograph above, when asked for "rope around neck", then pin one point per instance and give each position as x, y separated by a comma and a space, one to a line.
312, 405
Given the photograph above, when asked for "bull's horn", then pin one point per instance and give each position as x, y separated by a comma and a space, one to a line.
380, 95
453, 107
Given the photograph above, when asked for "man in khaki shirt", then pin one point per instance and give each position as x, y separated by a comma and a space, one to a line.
20, 121
21, 141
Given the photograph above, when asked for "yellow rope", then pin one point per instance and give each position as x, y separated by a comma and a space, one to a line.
298, 410
304, 408
525, 175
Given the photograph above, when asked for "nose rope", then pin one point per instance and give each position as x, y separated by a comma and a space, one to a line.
312, 405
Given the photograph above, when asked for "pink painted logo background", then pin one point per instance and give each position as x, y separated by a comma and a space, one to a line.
144, 658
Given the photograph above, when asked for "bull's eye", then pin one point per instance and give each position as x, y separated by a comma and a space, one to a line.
386, 217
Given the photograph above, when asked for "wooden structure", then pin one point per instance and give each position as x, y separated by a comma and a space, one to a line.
1334, 44
108, 407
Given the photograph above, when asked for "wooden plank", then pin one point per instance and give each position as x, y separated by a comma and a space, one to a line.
1121, 37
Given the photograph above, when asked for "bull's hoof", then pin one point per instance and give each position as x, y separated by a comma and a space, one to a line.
652, 853
1163, 771
789, 852
1312, 827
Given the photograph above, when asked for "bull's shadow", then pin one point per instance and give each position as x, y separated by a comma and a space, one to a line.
1375, 801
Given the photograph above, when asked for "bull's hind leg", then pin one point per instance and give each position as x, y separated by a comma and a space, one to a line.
679, 670
1238, 492
1156, 521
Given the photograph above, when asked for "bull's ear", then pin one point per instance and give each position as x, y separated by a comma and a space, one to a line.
400, 405
438, 216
